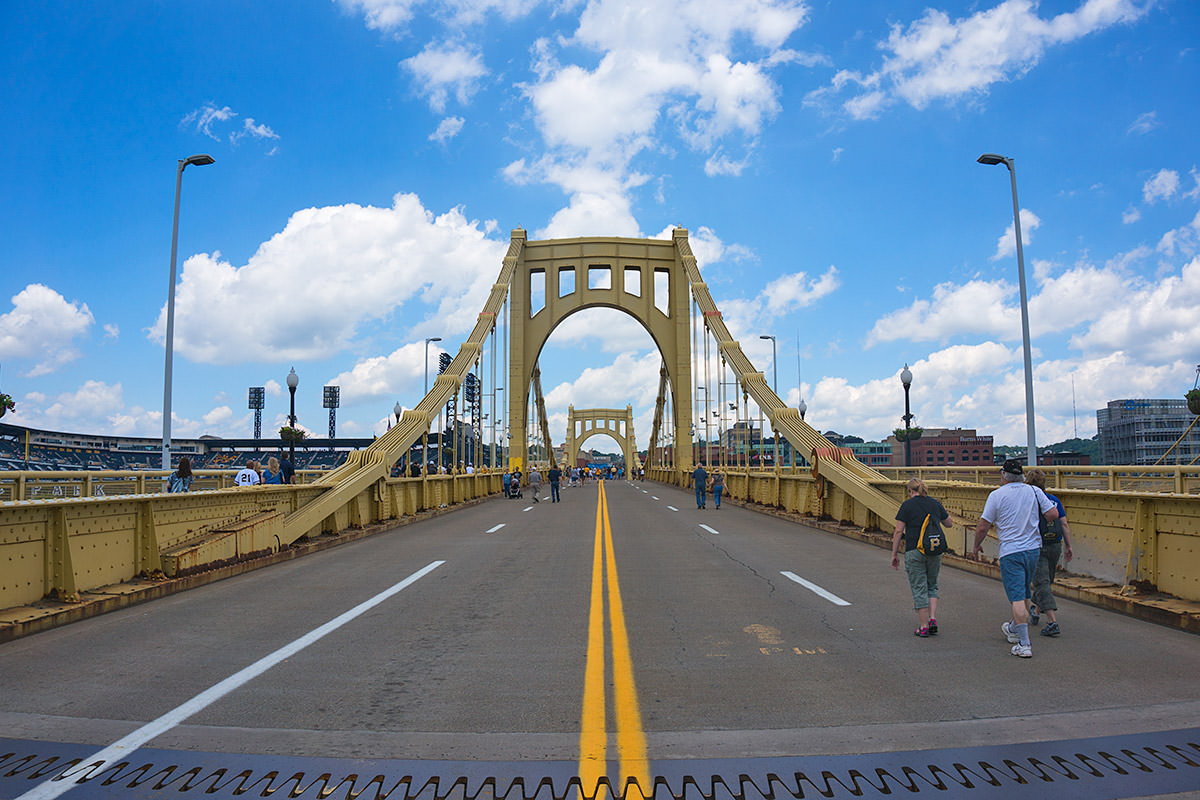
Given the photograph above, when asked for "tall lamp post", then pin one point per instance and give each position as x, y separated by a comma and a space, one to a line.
906, 379
775, 388
201, 160
293, 380
992, 159
425, 438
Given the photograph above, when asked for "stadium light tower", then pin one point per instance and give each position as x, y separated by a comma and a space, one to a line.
257, 403
332, 399
992, 159
200, 160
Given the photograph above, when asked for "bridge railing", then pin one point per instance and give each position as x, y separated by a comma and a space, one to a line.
61, 546
1145, 537
61, 484
1176, 480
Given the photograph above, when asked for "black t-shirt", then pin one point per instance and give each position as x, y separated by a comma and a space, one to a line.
554, 475
913, 512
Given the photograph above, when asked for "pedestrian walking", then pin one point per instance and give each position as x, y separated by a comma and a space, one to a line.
554, 475
700, 482
1056, 543
535, 483
922, 568
718, 486
1015, 509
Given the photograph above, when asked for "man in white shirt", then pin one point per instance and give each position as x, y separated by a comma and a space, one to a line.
248, 476
1014, 509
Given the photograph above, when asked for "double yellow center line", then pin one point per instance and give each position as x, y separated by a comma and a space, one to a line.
593, 737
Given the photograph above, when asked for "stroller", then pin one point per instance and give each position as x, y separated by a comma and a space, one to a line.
514, 485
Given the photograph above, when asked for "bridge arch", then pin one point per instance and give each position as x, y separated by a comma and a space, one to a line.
617, 424
554, 279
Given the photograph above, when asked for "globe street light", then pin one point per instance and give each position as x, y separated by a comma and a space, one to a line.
425, 437
906, 379
200, 160
992, 159
396, 410
293, 380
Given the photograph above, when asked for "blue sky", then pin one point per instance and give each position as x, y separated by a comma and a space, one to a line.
373, 155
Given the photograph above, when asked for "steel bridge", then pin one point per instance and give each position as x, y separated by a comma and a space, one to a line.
101, 541
59, 547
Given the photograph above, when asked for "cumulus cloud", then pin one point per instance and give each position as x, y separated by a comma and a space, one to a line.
686, 69
393, 16
442, 70
42, 327
99, 406
939, 58
1006, 247
1162, 186
447, 129
332, 259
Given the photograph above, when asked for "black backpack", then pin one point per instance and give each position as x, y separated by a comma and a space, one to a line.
1052, 532
931, 541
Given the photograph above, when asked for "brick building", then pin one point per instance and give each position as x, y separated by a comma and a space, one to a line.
946, 447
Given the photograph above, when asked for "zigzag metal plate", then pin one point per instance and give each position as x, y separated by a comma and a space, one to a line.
1095, 769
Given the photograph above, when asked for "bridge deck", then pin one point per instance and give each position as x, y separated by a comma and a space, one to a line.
479, 668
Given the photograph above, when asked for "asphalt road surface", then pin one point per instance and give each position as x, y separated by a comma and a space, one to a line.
623, 633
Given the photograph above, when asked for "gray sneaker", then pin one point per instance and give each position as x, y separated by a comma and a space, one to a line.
1009, 633
1022, 650
1051, 629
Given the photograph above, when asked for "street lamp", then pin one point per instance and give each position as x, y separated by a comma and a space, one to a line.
906, 379
293, 380
425, 437
396, 410
992, 159
200, 160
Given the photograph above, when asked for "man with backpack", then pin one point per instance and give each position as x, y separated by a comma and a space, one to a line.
1015, 509
919, 523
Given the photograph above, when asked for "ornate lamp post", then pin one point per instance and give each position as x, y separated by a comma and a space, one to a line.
992, 159
775, 388
396, 409
293, 380
906, 379
201, 160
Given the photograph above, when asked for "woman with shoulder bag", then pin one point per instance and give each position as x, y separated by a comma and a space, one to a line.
920, 510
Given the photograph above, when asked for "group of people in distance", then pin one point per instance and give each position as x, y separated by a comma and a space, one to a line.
1033, 533
278, 471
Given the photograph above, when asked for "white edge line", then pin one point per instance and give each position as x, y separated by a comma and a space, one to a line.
710, 530
812, 587
58, 785
495, 528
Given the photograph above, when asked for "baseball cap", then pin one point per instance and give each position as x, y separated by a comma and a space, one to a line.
1013, 467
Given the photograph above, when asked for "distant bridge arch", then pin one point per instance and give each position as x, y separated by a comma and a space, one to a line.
617, 424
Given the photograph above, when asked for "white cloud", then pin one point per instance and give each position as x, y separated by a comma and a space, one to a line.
1131, 216
400, 372
42, 327
205, 116
937, 57
393, 16
1145, 123
208, 116
332, 259
672, 67
1007, 244
447, 129
444, 69
1162, 186
1155, 321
